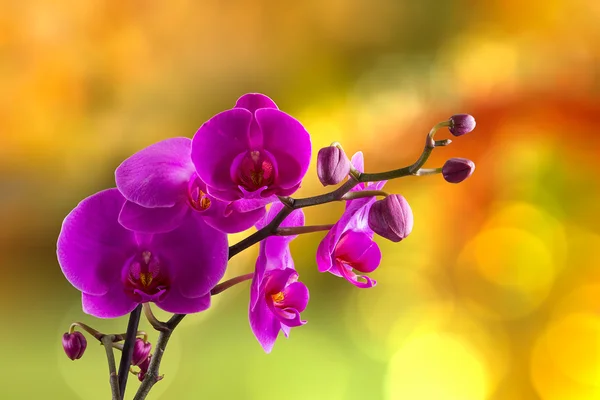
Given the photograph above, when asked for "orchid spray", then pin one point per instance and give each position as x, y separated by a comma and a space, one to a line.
160, 236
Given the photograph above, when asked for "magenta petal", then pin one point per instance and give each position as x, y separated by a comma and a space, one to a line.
359, 250
174, 302
216, 144
278, 279
288, 141
254, 101
264, 325
92, 246
324, 253
251, 201
196, 255
288, 317
295, 296
235, 221
358, 161
360, 281
115, 303
152, 220
158, 175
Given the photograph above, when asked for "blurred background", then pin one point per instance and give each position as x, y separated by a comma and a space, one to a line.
495, 294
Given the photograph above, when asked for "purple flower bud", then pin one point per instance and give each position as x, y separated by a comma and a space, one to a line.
456, 170
74, 345
332, 165
144, 365
461, 124
391, 218
141, 350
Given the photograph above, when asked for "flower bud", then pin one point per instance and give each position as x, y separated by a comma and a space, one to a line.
332, 165
144, 365
74, 344
391, 218
461, 124
141, 350
456, 170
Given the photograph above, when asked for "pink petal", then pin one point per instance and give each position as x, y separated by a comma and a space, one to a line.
195, 254
288, 141
158, 175
214, 147
92, 246
152, 220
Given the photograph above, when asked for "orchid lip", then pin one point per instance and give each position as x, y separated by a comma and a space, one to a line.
254, 169
144, 277
197, 198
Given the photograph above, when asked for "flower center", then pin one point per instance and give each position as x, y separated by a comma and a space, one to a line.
256, 170
144, 277
197, 197
277, 297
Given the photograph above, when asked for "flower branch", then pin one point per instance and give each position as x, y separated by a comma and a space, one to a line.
107, 341
299, 230
127, 353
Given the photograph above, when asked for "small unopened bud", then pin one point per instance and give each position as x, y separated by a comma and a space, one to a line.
141, 351
74, 344
461, 124
456, 170
391, 218
332, 165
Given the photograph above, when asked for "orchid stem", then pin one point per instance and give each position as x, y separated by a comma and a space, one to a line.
132, 326
299, 230
97, 335
156, 324
430, 144
363, 194
161, 344
428, 171
107, 341
229, 283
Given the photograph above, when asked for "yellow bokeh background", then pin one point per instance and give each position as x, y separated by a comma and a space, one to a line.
495, 294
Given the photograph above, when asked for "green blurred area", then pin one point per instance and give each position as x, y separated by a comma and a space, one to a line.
495, 295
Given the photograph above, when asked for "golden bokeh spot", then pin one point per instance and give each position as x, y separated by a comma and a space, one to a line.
437, 366
505, 272
565, 361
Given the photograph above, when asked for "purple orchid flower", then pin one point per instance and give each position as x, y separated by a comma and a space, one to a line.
349, 245
276, 296
253, 151
162, 189
116, 269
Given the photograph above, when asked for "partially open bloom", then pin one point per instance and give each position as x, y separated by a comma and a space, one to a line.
391, 218
349, 245
74, 344
162, 188
276, 296
141, 351
116, 269
456, 170
251, 151
333, 166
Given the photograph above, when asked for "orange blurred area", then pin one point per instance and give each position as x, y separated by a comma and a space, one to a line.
495, 294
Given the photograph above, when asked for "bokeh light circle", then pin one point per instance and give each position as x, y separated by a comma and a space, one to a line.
436, 366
